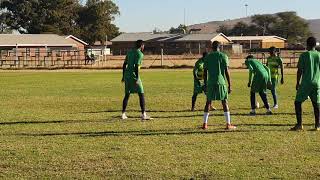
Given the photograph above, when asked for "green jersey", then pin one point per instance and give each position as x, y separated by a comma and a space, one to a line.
216, 63
198, 69
274, 63
133, 59
257, 68
309, 63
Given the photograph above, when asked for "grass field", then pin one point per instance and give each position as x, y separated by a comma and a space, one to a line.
66, 125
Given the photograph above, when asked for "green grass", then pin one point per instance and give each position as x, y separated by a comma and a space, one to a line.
66, 125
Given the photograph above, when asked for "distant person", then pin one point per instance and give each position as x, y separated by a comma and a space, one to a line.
308, 83
274, 62
259, 80
198, 84
216, 73
131, 79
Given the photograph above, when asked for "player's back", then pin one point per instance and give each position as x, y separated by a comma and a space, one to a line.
133, 57
309, 62
216, 63
257, 67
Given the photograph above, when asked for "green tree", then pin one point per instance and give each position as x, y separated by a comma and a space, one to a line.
292, 27
264, 23
39, 16
224, 29
181, 29
95, 20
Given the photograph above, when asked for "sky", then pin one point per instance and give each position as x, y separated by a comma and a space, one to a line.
146, 15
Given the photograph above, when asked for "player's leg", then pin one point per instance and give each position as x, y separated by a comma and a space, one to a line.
274, 93
253, 103
206, 114
124, 106
316, 108
143, 107
298, 109
194, 99
227, 115
264, 99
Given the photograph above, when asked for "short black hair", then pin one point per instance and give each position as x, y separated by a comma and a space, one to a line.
204, 54
250, 57
272, 49
215, 44
139, 43
312, 42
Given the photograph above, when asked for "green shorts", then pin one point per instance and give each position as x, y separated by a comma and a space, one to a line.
308, 91
217, 92
132, 87
197, 87
259, 84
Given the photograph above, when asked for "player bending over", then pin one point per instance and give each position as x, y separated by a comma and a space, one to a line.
258, 83
274, 62
198, 85
131, 79
309, 75
216, 72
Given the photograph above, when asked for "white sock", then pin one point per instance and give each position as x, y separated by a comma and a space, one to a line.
144, 114
205, 118
228, 117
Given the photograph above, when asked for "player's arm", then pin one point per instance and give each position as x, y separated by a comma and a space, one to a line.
195, 72
227, 73
124, 66
268, 71
250, 77
299, 72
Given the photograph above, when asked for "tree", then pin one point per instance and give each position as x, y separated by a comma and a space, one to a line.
224, 29
181, 29
39, 16
292, 27
264, 23
95, 20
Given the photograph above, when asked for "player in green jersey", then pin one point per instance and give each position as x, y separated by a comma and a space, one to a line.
258, 83
131, 78
216, 72
308, 83
198, 84
274, 62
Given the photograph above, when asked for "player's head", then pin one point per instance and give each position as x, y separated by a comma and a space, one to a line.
140, 44
311, 43
249, 57
204, 54
216, 45
272, 51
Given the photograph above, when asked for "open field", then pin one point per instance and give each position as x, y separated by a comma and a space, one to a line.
64, 125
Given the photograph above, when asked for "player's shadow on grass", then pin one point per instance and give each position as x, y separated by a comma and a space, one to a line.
58, 122
143, 133
138, 111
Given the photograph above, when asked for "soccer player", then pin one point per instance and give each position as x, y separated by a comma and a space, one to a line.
131, 79
198, 86
274, 62
309, 75
216, 72
258, 83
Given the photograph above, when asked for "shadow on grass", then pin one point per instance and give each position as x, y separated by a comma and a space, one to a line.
57, 122
143, 133
151, 111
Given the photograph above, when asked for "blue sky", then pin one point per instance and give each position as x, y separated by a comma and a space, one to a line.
145, 15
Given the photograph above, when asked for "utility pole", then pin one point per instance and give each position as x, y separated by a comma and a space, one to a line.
246, 5
184, 16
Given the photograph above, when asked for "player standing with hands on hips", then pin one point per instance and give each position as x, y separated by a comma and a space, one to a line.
216, 72
131, 79
308, 83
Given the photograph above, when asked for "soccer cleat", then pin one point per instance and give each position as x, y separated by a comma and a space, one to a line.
145, 117
205, 126
297, 128
269, 113
124, 116
252, 113
230, 127
276, 106
193, 109
317, 129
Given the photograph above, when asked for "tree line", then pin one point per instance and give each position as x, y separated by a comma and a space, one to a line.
284, 24
91, 21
